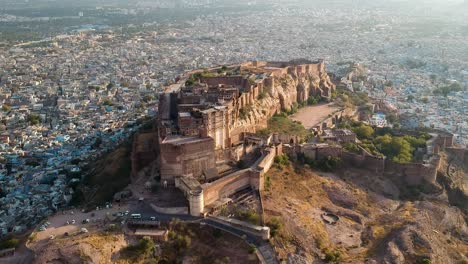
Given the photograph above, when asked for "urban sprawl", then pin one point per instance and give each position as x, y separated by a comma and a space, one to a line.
70, 98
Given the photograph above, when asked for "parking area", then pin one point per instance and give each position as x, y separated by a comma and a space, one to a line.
71, 221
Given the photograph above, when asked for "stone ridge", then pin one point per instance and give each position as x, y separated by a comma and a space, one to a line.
285, 86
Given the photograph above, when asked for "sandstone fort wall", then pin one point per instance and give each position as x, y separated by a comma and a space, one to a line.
226, 186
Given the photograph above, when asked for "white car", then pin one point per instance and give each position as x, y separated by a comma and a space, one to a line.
84, 230
73, 221
42, 228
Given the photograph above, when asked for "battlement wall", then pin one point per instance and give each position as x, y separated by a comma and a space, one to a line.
226, 80
412, 173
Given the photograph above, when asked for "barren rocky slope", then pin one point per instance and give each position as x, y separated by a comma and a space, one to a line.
374, 223
93, 248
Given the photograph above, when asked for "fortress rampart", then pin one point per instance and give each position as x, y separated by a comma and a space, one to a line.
202, 196
411, 173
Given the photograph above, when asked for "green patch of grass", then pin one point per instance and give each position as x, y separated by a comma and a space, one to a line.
284, 125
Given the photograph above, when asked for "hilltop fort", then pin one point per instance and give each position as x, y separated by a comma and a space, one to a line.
207, 118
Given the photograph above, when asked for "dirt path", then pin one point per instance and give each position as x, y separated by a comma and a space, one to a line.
311, 116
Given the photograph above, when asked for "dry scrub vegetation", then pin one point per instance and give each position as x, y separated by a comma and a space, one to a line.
371, 228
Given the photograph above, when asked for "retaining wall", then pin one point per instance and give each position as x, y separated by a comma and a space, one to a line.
170, 210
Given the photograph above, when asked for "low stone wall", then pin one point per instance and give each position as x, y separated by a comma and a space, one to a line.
287, 139
170, 210
266, 161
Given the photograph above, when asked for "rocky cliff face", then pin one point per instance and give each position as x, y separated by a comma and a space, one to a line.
282, 92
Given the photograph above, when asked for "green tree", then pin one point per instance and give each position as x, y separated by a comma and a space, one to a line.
108, 102
329, 163
364, 131
352, 148
33, 119
275, 225
395, 148
282, 160
142, 250
6, 108
148, 98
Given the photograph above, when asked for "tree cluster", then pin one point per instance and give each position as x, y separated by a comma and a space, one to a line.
33, 119
445, 90
327, 164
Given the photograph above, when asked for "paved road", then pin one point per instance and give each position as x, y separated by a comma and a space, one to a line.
147, 211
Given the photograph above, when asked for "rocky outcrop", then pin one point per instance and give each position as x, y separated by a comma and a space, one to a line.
286, 88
